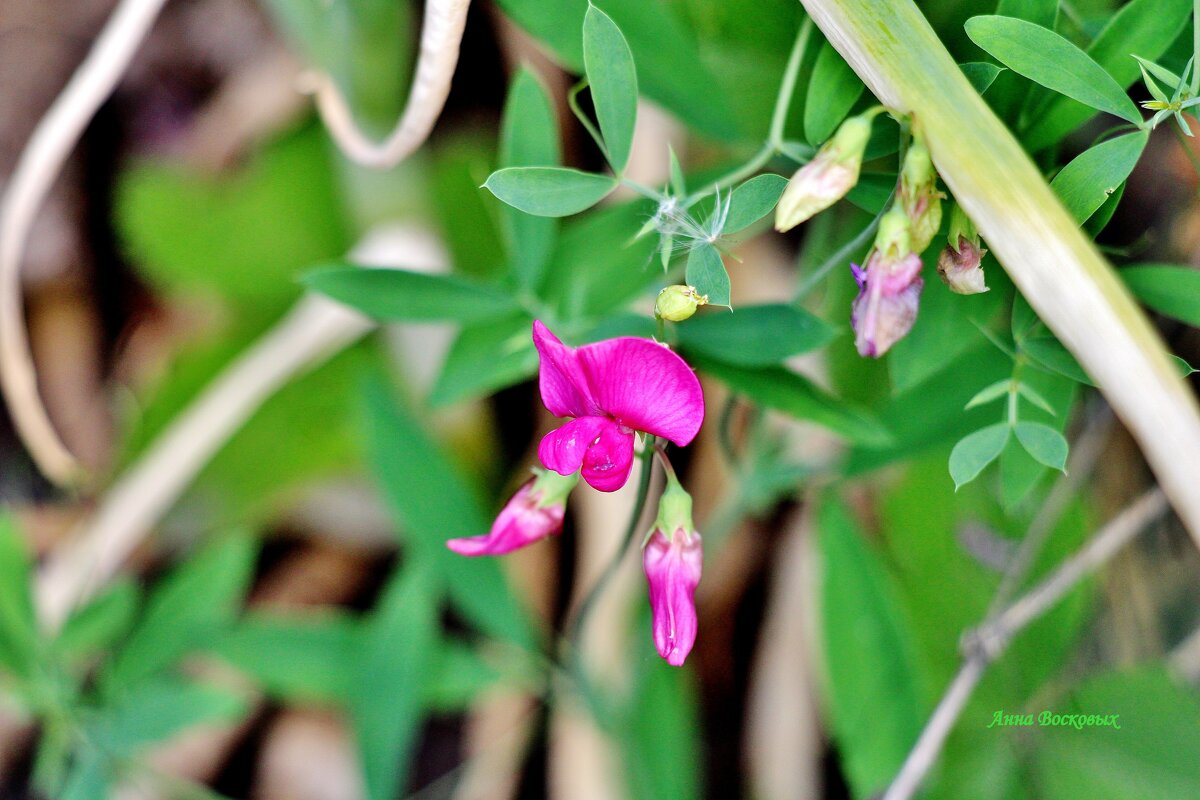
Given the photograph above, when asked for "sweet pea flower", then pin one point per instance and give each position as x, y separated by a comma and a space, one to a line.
672, 559
611, 389
533, 513
889, 288
831, 174
960, 263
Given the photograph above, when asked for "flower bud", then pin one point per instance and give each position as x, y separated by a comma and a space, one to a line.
959, 264
677, 303
673, 559
828, 177
534, 512
919, 195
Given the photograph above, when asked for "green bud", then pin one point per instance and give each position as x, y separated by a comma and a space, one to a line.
550, 488
674, 510
919, 194
894, 238
677, 303
961, 227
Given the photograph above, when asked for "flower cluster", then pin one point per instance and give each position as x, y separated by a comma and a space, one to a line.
611, 390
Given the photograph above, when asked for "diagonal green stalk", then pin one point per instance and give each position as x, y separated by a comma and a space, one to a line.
1058, 269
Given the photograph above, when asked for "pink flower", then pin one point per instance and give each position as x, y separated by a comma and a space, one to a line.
673, 563
611, 389
889, 290
533, 513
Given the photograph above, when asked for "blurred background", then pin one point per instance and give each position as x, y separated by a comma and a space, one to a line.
290, 625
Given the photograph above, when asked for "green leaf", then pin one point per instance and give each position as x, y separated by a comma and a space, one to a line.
101, 622
185, 611
663, 699
1099, 220
791, 393
976, 451
396, 294
18, 627
706, 272
1085, 184
756, 336
486, 358
459, 674
869, 645
433, 502
1043, 443
394, 658
528, 138
833, 90
295, 659
549, 191
1049, 353
1050, 60
981, 74
753, 200
1144, 27
990, 393
155, 710
613, 81
1172, 291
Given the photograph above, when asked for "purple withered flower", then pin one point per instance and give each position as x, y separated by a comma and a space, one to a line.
611, 389
889, 288
960, 263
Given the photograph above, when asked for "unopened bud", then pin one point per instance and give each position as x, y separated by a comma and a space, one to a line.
960, 263
919, 195
889, 291
677, 303
828, 177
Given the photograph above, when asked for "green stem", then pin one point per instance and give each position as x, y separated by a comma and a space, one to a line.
783, 102
631, 530
842, 256
787, 87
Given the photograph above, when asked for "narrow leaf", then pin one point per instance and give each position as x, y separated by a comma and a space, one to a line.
1095, 174
396, 294
757, 336
613, 81
1050, 60
832, 92
989, 393
1173, 291
981, 74
549, 191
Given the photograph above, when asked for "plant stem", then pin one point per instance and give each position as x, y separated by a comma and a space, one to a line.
842, 256
575, 632
783, 102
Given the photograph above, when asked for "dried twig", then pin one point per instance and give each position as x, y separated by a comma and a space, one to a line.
441, 36
313, 331
986, 643
40, 162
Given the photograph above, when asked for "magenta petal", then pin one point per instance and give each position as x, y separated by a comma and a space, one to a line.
673, 568
564, 448
609, 459
564, 387
519, 523
645, 386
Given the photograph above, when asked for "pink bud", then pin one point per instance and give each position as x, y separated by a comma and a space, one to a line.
533, 513
672, 564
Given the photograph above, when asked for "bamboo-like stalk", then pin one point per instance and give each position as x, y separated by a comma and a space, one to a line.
1059, 270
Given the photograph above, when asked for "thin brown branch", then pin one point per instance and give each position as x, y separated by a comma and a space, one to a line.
988, 642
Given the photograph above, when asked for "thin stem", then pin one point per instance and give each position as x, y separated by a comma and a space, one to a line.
573, 103
783, 102
643, 190
631, 530
841, 257
787, 87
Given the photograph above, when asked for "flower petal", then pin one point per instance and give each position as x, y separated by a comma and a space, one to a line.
564, 448
645, 386
564, 387
519, 523
609, 459
673, 568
